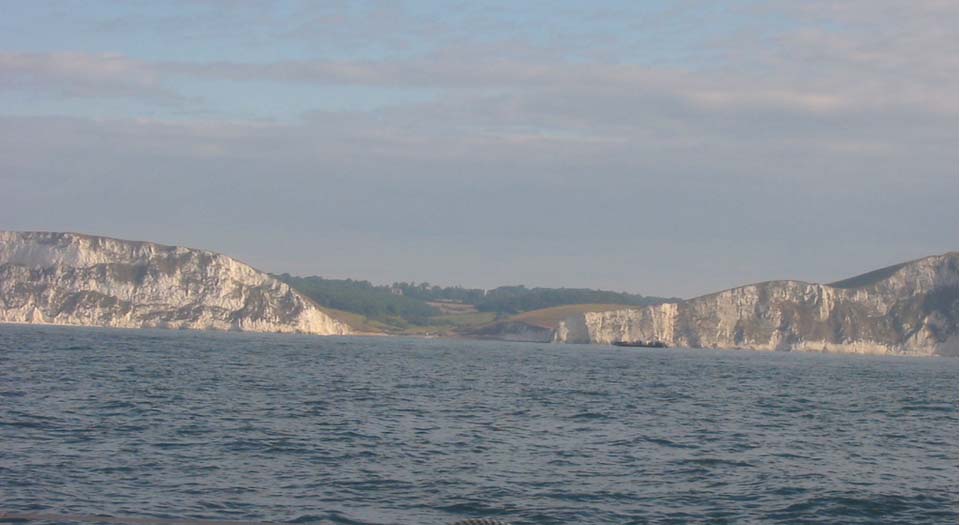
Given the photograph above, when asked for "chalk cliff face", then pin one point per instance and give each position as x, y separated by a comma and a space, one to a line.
515, 331
909, 309
74, 279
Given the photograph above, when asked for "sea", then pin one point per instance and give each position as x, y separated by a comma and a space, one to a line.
160, 427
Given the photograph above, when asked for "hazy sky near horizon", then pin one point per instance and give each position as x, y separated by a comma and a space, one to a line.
659, 147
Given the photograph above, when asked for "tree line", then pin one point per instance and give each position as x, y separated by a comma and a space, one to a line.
408, 301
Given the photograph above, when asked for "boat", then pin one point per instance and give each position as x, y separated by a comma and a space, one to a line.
642, 344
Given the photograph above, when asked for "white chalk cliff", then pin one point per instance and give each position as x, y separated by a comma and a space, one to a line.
75, 279
907, 309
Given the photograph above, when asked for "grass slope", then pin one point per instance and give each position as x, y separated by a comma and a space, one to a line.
866, 279
551, 317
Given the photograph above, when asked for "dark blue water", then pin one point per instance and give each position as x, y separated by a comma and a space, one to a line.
293, 429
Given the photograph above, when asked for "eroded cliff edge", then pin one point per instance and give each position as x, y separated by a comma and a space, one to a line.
75, 279
908, 309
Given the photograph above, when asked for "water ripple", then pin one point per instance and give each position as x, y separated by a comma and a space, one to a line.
163, 428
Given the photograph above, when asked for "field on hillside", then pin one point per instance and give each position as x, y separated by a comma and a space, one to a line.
550, 317
463, 323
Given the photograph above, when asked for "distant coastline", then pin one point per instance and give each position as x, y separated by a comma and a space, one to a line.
69, 279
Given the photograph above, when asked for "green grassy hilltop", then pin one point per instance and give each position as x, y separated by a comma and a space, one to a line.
420, 309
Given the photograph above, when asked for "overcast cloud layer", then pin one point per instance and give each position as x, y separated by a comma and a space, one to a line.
669, 148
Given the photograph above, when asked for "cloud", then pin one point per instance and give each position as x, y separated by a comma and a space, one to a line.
831, 126
833, 89
321, 191
84, 75
816, 58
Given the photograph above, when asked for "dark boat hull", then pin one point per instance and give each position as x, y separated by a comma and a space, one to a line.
641, 344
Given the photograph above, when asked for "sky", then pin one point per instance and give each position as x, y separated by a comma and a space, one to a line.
658, 147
